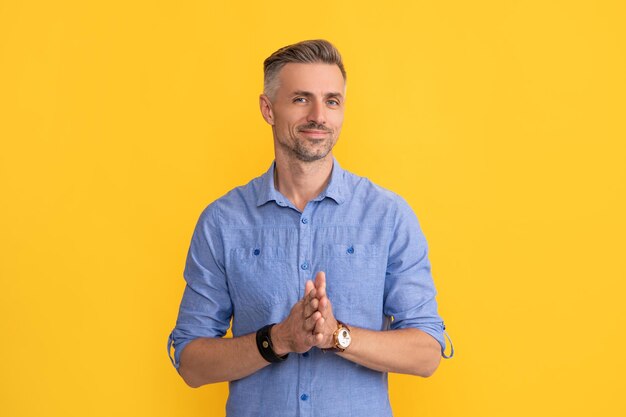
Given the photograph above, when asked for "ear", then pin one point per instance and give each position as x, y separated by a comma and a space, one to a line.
266, 109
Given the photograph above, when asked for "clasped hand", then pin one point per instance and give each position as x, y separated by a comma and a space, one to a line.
310, 322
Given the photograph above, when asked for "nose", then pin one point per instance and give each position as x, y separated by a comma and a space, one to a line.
317, 112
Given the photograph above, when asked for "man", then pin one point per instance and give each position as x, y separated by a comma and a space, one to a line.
324, 274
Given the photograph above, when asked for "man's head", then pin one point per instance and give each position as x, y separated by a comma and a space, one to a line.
303, 99
317, 51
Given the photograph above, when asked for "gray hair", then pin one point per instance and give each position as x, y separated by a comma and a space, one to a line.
305, 52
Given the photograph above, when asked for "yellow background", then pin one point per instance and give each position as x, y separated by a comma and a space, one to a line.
501, 122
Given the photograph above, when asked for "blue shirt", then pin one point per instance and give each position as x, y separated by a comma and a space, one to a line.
252, 252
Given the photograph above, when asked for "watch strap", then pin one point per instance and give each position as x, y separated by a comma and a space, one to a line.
264, 344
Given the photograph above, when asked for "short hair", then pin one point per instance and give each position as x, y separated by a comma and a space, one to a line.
305, 52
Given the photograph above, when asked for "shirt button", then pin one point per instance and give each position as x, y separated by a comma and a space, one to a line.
304, 397
350, 250
305, 220
304, 266
305, 354
256, 252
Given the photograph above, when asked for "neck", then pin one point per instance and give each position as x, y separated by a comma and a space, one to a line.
301, 181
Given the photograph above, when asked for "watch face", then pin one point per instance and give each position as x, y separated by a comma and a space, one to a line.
343, 338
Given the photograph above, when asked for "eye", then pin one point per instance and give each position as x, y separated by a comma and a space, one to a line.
299, 100
333, 102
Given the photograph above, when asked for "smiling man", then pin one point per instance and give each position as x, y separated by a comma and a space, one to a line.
305, 106
324, 274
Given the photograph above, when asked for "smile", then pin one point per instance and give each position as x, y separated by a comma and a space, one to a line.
315, 133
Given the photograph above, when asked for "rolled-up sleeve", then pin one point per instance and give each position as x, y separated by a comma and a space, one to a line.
206, 307
409, 287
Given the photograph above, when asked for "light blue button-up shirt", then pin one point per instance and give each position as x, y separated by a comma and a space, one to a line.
252, 252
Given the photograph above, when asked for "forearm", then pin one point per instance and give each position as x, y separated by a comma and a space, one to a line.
406, 351
207, 360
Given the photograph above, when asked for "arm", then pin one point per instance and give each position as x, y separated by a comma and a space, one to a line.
407, 351
212, 359
202, 355
415, 342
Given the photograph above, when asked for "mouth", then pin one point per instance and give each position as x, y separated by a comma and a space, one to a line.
315, 133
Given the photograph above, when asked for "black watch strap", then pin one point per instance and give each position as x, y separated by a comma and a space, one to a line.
264, 344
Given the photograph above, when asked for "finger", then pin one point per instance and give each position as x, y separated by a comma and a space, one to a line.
309, 292
310, 323
326, 308
319, 326
310, 305
322, 307
320, 279
314, 339
320, 293
320, 284
318, 338
308, 286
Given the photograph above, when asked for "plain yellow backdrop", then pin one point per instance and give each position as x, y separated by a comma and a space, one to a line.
501, 122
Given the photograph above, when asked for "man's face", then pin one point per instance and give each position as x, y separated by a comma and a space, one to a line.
307, 109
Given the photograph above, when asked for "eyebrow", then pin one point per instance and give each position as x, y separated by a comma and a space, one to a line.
309, 94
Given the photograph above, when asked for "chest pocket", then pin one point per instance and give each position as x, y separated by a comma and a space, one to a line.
355, 279
259, 278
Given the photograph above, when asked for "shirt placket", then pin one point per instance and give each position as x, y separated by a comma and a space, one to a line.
305, 273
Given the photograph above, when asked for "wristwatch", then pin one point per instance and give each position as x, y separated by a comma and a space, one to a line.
265, 346
341, 337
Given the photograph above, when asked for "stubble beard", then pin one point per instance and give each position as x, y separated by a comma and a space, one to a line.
305, 153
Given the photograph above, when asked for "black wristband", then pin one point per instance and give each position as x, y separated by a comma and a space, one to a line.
264, 344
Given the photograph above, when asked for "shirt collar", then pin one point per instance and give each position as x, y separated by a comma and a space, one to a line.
334, 190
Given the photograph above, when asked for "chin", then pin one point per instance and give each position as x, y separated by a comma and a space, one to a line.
309, 158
